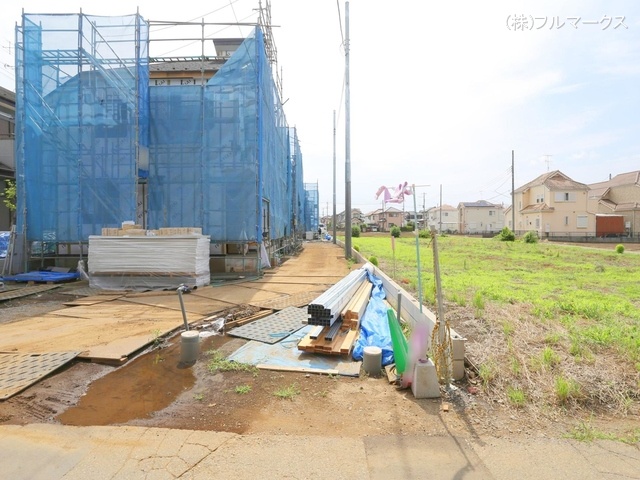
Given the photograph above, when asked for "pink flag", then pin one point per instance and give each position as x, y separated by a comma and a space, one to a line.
396, 195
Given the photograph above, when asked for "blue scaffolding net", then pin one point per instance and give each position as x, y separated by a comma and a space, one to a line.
98, 146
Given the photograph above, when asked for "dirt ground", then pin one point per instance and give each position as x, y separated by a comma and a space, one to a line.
154, 389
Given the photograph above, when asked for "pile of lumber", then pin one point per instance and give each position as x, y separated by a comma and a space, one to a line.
339, 336
352, 313
324, 341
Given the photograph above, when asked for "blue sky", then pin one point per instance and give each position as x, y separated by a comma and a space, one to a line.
440, 93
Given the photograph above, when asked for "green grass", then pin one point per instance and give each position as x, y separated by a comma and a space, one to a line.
585, 432
287, 393
218, 363
516, 396
243, 389
566, 389
592, 292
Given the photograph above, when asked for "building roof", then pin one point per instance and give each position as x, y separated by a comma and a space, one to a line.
479, 203
555, 180
537, 207
622, 179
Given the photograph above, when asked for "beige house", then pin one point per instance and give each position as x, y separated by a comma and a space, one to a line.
553, 205
385, 219
443, 218
619, 195
480, 217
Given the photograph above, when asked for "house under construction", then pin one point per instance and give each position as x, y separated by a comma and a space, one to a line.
105, 135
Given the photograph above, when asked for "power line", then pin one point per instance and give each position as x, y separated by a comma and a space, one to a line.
340, 21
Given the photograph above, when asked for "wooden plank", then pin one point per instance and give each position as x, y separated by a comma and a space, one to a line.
243, 321
348, 342
278, 368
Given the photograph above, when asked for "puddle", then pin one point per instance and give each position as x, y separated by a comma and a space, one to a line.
144, 385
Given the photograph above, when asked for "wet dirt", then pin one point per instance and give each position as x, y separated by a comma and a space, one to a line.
149, 383
155, 390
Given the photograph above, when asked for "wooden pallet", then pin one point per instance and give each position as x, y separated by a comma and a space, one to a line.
342, 343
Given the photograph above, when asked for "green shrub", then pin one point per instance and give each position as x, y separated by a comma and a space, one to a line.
355, 231
395, 232
506, 235
619, 248
424, 234
530, 237
373, 261
356, 248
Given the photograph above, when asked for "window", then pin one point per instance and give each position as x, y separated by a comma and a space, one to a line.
565, 197
537, 223
566, 220
582, 221
446, 214
540, 198
492, 213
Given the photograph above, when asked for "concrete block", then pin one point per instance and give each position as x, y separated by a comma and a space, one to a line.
457, 345
458, 369
425, 380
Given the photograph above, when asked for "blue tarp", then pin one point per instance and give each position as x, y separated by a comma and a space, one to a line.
42, 276
4, 244
374, 326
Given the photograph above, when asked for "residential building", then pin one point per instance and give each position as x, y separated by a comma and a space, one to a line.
384, 219
7, 160
480, 217
553, 205
357, 218
116, 136
619, 195
443, 219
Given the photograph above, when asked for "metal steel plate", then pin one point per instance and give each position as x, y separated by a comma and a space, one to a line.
273, 328
20, 370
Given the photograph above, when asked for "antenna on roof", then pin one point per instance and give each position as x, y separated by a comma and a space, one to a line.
547, 159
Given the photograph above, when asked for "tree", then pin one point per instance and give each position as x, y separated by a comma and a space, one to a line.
10, 196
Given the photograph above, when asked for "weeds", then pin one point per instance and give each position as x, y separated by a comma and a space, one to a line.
567, 389
218, 363
243, 389
516, 396
586, 432
287, 393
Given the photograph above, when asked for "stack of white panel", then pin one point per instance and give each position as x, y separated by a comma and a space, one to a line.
148, 262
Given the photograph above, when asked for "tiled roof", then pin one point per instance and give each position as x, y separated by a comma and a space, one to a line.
629, 178
537, 207
555, 180
480, 203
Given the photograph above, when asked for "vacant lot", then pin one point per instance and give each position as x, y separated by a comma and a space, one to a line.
553, 330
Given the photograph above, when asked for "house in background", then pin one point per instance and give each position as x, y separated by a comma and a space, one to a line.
553, 205
7, 159
443, 218
384, 219
357, 218
480, 217
619, 195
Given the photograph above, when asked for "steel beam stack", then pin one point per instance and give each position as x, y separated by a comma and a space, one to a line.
326, 309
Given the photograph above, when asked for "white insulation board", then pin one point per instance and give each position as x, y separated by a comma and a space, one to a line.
148, 261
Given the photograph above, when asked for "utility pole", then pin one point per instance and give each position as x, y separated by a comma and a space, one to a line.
347, 159
440, 224
513, 195
333, 221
